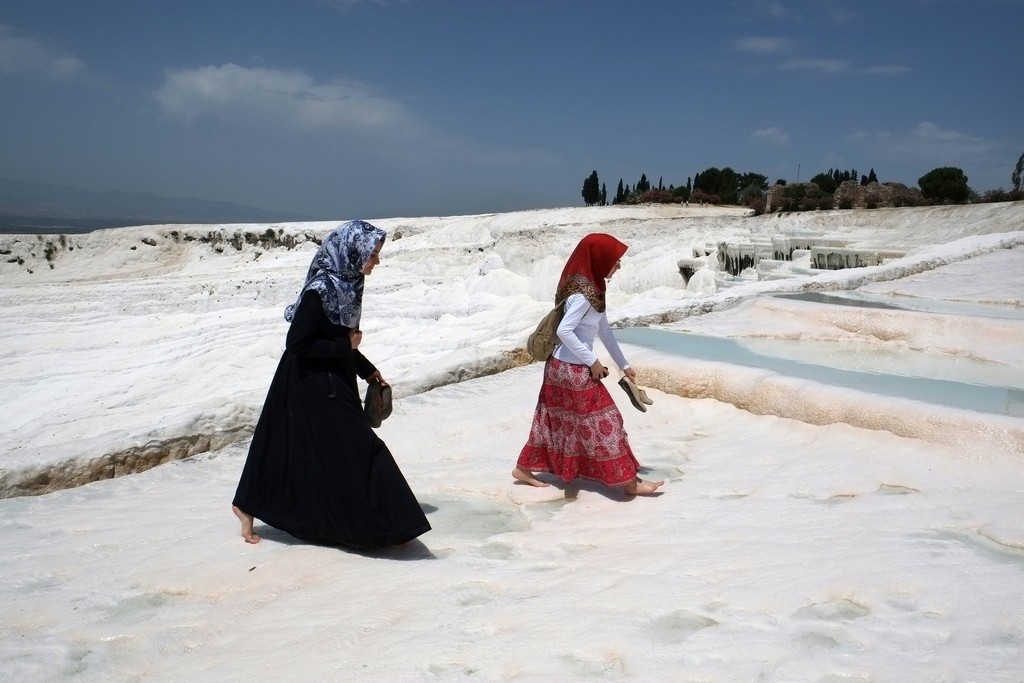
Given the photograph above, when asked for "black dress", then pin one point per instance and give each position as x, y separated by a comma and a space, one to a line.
316, 468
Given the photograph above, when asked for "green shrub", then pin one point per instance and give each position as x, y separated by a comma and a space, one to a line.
758, 204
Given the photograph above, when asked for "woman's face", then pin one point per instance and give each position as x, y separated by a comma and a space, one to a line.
618, 264
373, 260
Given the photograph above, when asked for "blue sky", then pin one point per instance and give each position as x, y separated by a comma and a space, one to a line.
360, 108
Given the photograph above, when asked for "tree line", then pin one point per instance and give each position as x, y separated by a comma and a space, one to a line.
946, 184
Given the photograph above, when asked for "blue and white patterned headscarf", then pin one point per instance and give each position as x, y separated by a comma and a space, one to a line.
336, 272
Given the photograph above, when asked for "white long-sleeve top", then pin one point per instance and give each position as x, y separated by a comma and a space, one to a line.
580, 325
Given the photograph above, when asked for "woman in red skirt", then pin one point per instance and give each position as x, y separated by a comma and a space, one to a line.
577, 430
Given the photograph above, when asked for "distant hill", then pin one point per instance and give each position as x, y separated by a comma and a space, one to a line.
32, 207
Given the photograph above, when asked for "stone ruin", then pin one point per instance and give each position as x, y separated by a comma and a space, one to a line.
851, 194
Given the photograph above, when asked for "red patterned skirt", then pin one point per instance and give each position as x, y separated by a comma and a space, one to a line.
577, 430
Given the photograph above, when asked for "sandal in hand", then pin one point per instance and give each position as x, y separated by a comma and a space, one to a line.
637, 396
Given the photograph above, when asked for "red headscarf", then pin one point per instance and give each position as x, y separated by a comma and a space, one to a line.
589, 264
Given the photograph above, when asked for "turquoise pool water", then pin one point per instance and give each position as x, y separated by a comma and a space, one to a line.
920, 376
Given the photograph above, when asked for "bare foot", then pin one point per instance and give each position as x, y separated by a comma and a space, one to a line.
527, 477
642, 488
246, 520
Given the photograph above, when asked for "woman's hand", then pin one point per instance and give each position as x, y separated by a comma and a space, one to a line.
598, 371
376, 378
628, 372
354, 337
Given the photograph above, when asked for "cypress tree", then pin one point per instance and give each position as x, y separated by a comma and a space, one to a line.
591, 190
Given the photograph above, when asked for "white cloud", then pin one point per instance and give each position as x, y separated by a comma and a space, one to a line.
288, 98
888, 70
773, 135
773, 9
762, 44
820, 65
839, 14
22, 54
347, 121
929, 132
350, 4
926, 138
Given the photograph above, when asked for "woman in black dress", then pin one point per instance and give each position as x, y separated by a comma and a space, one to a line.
315, 468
